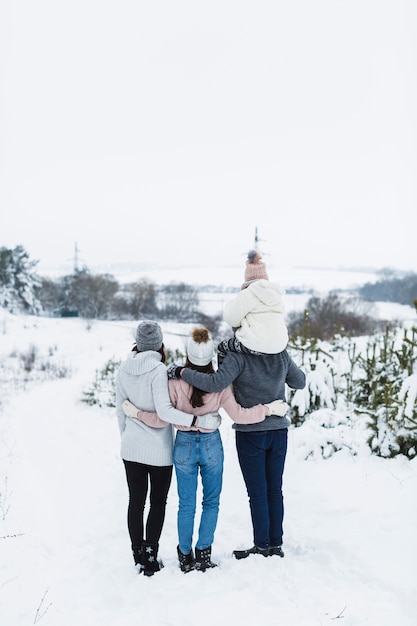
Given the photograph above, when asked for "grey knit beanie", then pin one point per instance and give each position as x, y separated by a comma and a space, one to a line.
149, 336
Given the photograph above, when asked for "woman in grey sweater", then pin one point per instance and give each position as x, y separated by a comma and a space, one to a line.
147, 452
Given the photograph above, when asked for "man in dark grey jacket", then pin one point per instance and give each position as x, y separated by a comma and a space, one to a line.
258, 378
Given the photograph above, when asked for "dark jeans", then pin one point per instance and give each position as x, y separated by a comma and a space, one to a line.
138, 478
262, 457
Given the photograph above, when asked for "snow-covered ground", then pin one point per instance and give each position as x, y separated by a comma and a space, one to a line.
350, 523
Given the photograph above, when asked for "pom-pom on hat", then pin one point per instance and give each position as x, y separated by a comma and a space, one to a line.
255, 268
149, 336
200, 347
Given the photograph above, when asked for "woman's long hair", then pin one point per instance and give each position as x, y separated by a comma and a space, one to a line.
161, 352
197, 395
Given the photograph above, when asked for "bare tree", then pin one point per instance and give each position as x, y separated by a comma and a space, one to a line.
178, 301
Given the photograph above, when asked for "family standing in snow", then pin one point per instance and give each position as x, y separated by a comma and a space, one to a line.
256, 362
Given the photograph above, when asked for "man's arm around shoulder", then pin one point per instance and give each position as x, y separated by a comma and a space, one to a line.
228, 371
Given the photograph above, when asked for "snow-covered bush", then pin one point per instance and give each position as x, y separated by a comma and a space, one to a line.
318, 392
102, 391
31, 365
18, 281
325, 432
370, 382
385, 392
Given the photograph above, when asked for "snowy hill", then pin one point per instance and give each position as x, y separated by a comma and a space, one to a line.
65, 557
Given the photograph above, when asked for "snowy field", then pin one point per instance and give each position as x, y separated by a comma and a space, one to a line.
350, 523
321, 279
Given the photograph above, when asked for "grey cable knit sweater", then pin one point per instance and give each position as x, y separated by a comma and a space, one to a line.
142, 379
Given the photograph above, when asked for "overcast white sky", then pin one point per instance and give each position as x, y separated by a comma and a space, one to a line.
166, 131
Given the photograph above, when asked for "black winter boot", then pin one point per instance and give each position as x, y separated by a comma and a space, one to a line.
276, 551
151, 565
138, 557
187, 561
243, 554
203, 559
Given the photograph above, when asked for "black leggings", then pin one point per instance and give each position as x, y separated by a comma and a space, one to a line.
138, 475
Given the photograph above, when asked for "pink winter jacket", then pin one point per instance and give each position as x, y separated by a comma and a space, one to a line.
180, 392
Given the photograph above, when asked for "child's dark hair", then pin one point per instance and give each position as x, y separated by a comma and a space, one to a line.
197, 395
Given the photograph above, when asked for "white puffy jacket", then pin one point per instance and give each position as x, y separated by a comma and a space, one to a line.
258, 315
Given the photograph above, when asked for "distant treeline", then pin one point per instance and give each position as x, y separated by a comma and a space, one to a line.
402, 290
100, 296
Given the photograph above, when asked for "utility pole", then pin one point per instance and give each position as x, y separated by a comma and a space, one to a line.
76, 268
257, 240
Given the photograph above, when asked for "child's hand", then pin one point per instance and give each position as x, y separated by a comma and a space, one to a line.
211, 421
129, 409
277, 407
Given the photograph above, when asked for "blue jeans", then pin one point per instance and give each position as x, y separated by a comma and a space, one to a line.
194, 452
262, 457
